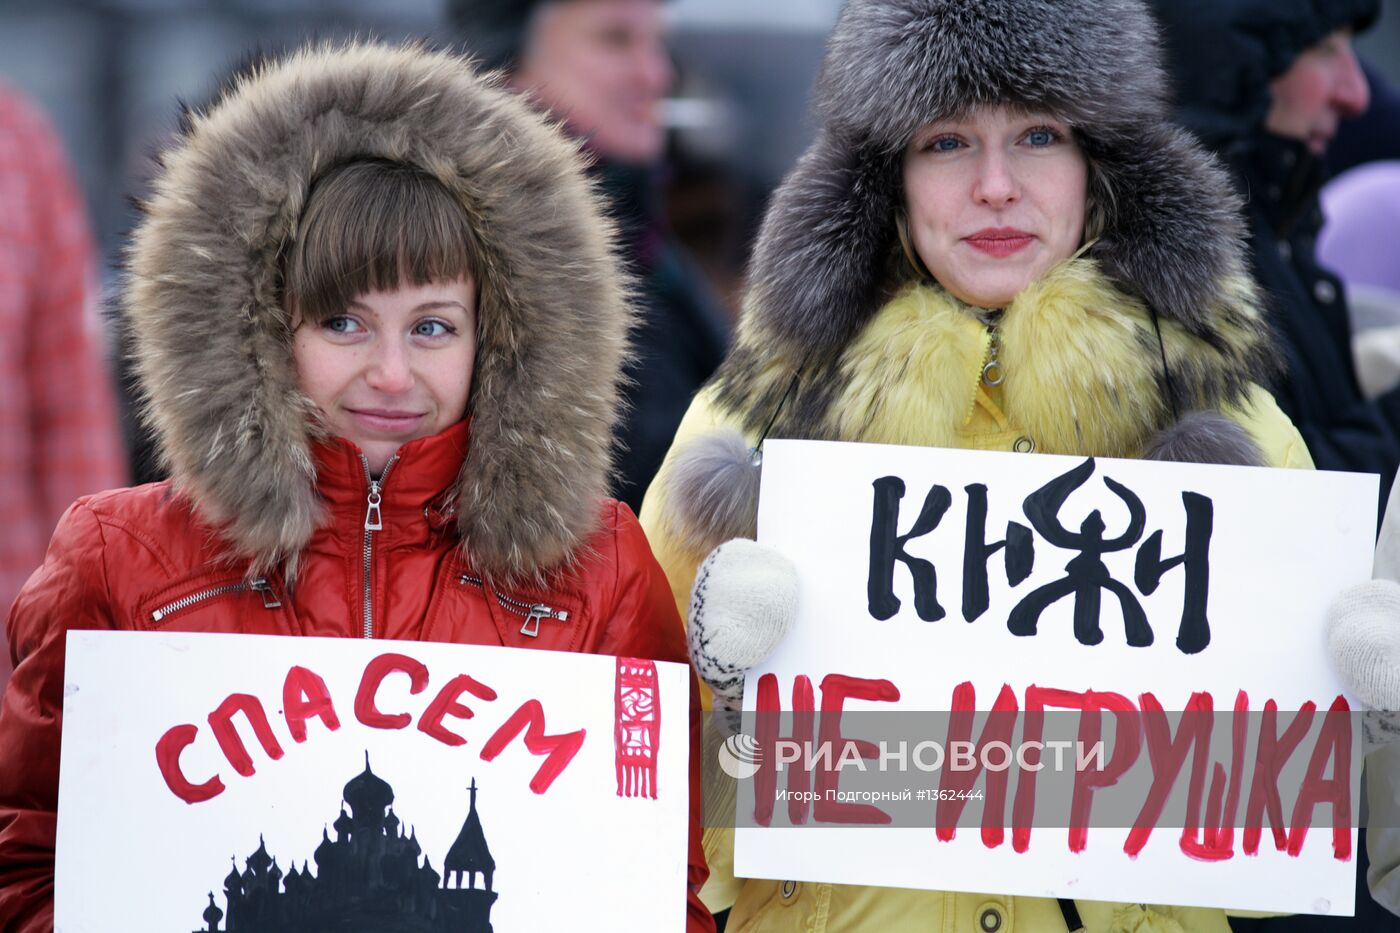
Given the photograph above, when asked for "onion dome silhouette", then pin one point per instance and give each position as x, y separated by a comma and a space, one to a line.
212, 913
292, 883
259, 861
342, 825
412, 845
469, 854
234, 882
391, 824
368, 796
275, 874
429, 873
325, 852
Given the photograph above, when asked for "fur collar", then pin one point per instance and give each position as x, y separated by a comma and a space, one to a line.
1082, 360
1081, 364
212, 342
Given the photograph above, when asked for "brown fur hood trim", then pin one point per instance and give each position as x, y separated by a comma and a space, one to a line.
213, 344
1172, 228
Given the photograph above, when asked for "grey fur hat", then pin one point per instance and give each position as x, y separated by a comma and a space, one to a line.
212, 340
1172, 228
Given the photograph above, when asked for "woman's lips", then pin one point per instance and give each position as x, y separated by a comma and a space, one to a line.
386, 421
1000, 241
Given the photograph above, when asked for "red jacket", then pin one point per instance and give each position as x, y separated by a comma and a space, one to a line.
123, 559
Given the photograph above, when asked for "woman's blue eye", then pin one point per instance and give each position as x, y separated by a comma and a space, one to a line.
1040, 137
431, 329
945, 144
340, 324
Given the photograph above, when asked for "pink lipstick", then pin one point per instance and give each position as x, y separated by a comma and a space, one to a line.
1000, 241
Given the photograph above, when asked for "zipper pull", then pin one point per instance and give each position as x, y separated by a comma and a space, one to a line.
532, 621
269, 598
373, 519
538, 613
991, 370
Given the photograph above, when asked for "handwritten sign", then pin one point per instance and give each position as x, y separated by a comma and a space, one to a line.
1173, 613
214, 782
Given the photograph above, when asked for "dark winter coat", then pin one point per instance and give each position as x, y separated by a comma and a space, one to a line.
681, 334
263, 527
1223, 54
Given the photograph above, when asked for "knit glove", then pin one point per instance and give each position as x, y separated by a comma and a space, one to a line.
1363, 625
742, 605
1363, 636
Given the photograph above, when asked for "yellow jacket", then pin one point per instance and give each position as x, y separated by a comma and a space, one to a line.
1076, 377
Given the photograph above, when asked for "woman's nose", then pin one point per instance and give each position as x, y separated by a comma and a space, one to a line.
389, 371
995, 184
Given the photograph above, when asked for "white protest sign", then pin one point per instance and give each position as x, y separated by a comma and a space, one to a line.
936, 579
367, 785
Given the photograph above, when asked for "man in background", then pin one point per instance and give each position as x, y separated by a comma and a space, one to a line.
601, 66
57, 415
1267, 84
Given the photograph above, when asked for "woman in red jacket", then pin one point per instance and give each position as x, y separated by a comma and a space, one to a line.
379, 331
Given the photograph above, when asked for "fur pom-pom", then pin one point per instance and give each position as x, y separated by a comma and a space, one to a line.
1206, 437
712, 490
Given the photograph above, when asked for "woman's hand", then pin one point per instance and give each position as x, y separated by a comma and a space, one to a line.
743, 603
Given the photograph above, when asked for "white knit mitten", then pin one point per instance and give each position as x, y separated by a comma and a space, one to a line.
1363, 636
743, 603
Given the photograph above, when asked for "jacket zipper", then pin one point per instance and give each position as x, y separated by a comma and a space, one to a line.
260, 585
992, 375
374, 521
534, 613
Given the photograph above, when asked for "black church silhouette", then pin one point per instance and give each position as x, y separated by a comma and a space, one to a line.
367, 880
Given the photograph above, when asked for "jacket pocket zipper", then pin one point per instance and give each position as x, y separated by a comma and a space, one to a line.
534, 613
260, 585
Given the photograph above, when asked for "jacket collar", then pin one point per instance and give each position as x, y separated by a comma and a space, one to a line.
1284, 179
416, 485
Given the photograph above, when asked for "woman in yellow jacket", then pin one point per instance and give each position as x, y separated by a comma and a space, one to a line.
998, 242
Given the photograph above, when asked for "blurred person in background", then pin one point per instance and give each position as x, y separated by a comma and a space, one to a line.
1267, 84
57, 413
602, 67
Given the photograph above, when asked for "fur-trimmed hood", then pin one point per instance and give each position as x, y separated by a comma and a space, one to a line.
213, 343
822, 265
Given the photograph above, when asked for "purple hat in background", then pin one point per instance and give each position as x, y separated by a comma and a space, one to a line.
1360, 240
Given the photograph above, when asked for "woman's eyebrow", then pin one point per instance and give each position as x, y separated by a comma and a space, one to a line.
425, 306
433, 305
